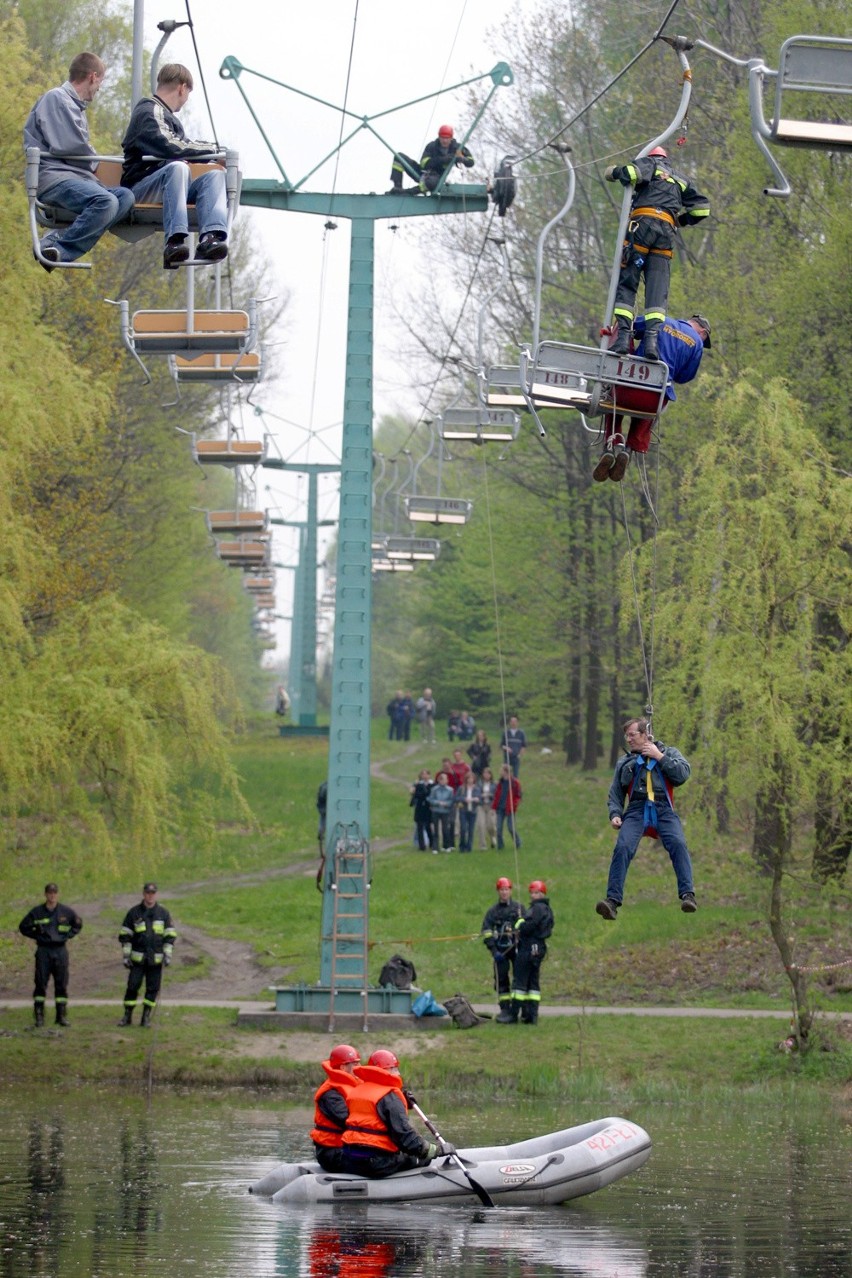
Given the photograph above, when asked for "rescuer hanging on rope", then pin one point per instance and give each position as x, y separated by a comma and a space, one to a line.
645, 777
662, 201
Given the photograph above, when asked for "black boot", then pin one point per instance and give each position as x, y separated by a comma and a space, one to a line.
146, 1017
505, 1007
509, 1015
127, 1018
650, 349
38, 1014
530, 1016
62, 1015
621, 345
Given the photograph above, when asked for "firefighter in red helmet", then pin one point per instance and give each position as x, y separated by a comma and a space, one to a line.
533, 928
438, 156
331, 1106
663, 200
379, 1140
498, 934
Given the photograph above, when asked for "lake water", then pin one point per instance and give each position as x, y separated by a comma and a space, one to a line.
101, 1185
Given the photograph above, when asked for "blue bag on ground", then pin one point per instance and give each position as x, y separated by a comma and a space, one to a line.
427, 1005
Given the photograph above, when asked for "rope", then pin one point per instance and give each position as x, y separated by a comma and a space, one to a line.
646, 664
499, 644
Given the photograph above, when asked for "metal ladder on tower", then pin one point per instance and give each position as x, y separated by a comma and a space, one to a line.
350, 885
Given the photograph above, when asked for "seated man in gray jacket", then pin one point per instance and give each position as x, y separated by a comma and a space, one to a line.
57, 126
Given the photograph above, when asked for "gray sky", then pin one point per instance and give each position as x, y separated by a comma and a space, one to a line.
400, 51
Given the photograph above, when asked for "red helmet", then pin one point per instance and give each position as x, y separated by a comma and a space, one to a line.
504, 883
344, 1054
383, 1059
660, 150
539, 885
445, 131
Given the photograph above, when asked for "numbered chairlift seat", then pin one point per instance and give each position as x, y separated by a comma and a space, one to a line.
562, 375
479, 424
438, 510
143, 219
820, 69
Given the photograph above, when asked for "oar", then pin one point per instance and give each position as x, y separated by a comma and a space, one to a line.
482, 1194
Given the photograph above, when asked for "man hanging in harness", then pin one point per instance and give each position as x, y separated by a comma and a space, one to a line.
645, 777
681, 346
662, 201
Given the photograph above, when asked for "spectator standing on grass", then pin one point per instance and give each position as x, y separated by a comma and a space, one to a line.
442, 805
513, 743
419, 801
507, 798
486, 817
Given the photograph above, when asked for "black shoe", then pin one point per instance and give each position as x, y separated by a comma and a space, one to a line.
38, 1013
394, 190
607, 909
621, 345
212, 247
145, 1023
51, 254
62, 1017
175, 252
603, 468
688, 903
127, 1018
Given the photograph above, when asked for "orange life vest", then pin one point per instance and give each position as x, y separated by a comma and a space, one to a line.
324, 1132
365, 1127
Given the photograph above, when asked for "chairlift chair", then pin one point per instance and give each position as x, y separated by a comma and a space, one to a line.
382, 564
584, 378
143, 219
414, 548
265, 602
237, 521
259, 585
479, 425
229, 452
243, 553
189, 332
195, 369
819, 66
438, 510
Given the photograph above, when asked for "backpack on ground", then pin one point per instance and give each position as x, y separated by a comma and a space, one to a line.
462, 1013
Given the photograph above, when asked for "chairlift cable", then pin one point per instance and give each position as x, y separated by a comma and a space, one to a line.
611, 84
499, 645
201, 72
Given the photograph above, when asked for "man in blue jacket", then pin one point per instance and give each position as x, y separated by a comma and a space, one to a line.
681, 344
155, 130
645, 778
57, 125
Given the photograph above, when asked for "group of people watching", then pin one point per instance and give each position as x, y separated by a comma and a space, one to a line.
157, 158
464, 802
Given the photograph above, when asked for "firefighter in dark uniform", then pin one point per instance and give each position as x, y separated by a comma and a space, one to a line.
533, 928
51, 926
498, 933
146, 937
662, 201
438, 156
379, 1140
331, 1106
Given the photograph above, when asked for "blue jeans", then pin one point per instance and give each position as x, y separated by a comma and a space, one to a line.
671, 836
99, 208
509, 818
173, 185
467, 825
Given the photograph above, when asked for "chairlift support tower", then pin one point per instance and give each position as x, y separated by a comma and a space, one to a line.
344, 983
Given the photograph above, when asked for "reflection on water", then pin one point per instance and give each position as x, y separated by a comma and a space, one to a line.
95, 1186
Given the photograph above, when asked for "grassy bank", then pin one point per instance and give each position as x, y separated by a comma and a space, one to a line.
255, 884
617, 1061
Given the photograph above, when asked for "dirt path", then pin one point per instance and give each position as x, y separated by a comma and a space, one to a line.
227, 969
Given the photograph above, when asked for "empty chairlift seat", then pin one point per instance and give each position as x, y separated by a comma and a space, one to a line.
237, 521
216, 368
479, 424
243, 553
437, 510
811, 109
171, 332
229, 452
259, 585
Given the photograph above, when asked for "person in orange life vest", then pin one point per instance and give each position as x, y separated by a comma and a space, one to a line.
645, 777
331, 1106
379, 1140
681, 346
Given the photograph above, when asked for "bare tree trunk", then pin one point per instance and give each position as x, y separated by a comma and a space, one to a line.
803, 1014
832, 838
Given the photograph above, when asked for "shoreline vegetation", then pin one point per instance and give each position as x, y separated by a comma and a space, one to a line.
254, 885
